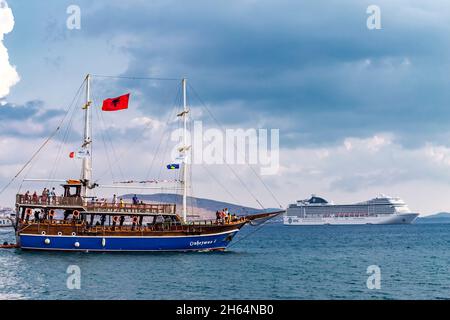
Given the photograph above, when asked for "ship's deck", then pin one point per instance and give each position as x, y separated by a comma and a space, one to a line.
73, 228
76, 203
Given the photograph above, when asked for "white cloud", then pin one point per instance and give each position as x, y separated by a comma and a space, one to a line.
361, 168
8, 73
438, 154
147, 122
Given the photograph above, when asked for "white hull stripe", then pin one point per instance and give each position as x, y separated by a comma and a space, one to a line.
119, 250
129, 237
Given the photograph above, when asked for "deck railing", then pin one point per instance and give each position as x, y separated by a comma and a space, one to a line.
130, 208
48, 200
85, 228
24, 199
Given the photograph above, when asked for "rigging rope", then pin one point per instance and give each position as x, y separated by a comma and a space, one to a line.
251, 233
134, 78
170, 117
104, 132
253, 170
224, 188
66, 134
104, 144
43, 144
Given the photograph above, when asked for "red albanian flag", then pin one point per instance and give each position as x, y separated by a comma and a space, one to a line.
114, 104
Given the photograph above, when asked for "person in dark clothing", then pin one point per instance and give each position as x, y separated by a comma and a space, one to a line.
217, 216
135, 200
103, 219
66, 214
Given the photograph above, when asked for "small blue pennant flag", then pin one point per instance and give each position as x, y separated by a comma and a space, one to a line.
173, 166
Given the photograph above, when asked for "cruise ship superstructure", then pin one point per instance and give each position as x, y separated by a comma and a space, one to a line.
380, 210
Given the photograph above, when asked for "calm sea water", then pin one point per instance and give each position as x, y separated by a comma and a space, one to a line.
276, 262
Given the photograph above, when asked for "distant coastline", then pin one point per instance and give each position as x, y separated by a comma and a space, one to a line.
441, 217
201, 207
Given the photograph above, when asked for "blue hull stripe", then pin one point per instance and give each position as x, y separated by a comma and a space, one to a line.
98, 243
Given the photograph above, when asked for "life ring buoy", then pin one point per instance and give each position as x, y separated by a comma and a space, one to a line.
76, 214
116, 218
51, 213
28, 212
135, 219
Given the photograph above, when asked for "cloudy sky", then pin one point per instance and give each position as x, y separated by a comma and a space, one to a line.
360, 112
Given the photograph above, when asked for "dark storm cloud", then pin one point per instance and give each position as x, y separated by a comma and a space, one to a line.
312, 69
15, 119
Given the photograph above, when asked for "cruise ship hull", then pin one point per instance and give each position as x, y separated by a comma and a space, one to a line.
406, 218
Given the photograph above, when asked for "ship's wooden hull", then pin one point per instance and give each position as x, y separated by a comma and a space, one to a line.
67, 236
57, 237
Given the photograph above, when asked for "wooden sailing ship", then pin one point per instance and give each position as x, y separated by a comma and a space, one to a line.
75, 222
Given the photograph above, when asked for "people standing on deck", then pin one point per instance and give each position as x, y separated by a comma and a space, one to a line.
121, 203
217, 216
226, 214
102, 219
115, 220
135, 200
222, 216
44, 196
35, 197
114, 200
53, 195
27, 197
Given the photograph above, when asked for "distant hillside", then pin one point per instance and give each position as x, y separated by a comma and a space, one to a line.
442, 217
204, 208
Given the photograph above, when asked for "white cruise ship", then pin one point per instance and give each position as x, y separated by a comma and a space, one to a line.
318, 211
6, 217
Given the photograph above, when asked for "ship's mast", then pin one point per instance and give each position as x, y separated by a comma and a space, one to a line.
185, 150
86, 170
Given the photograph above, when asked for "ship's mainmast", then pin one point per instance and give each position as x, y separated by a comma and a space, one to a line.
86, 169
185, 149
